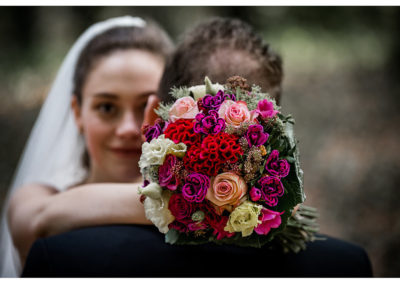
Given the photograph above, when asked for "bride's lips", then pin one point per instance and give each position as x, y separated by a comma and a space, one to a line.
126, 152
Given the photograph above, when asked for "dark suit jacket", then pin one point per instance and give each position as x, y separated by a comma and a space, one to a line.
140, 251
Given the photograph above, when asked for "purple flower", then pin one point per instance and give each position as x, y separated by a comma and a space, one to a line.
166, 175
271, 189
153, 132
266, 109
255, 194
271, 200
255, 135
209, 124
196, 187
276, 167
211, 102
231, 96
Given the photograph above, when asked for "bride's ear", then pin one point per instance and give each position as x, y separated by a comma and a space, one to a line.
149, 115
76, 109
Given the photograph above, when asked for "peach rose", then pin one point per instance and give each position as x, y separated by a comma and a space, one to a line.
234, 113
226, 191
184, 107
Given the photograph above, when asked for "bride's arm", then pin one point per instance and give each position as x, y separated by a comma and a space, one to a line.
39, 211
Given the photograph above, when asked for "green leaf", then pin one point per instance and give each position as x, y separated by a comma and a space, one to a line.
172, 236
209, 86
163, 110
180, 92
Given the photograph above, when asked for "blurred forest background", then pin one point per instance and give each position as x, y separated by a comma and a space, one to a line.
341, 84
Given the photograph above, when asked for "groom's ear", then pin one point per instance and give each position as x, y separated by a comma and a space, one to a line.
149, 115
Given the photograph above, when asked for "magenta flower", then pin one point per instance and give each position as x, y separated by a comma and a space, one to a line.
270, 219
271, 189
255, 194
276, 167
196, 187
209, 124
266, 109
166, 175
255, 135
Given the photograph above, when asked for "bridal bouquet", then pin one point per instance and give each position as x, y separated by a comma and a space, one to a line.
221, 165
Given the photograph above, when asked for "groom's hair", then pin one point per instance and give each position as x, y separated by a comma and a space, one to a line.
220, 48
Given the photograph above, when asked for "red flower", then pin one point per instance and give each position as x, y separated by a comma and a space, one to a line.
182, 131
216, 222
212, 153
179, 207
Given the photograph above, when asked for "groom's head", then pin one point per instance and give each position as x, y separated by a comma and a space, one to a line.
220, 48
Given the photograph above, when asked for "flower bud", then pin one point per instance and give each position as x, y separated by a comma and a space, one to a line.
255, 194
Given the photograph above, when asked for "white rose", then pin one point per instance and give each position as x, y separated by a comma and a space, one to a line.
157, 211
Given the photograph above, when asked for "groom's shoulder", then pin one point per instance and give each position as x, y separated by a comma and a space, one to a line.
333, 257
127, 250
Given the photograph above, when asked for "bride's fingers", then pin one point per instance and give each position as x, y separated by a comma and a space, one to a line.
149, 115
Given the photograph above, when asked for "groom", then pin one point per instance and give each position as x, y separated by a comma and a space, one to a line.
218, 48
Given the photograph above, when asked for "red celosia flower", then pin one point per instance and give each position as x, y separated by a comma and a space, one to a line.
209, 156
182, 131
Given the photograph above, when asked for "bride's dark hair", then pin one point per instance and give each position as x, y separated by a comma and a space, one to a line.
149, 38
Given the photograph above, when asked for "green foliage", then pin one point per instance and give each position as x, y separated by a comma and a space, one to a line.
300, 229
251, 98
180, 92
295, 177
174, 237
150, 173
163, 110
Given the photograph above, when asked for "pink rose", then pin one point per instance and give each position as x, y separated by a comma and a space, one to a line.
226, 191
270, 219
234, 113
185, 108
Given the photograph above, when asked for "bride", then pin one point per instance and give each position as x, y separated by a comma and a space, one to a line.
80, 165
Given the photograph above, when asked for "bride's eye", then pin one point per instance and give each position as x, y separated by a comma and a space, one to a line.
106, 108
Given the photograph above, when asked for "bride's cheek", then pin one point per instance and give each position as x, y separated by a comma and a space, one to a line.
97, 136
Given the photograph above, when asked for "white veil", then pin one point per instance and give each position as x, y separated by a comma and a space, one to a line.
53, 152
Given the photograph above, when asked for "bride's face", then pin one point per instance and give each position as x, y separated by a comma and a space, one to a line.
110, 116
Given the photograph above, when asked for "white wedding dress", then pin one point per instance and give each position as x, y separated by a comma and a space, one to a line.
53, 152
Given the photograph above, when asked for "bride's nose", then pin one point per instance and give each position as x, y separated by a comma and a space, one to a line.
128, 126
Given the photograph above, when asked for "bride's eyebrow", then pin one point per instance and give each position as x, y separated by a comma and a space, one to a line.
106, 96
